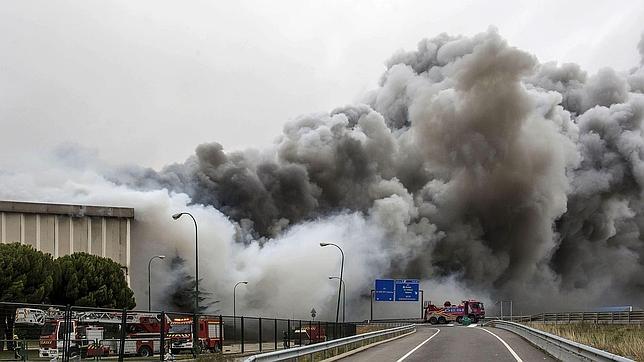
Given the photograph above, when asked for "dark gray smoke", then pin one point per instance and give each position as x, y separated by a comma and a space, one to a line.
479, 163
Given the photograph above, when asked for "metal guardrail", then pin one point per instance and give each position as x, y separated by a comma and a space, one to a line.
560, 348
628, 317
294, 353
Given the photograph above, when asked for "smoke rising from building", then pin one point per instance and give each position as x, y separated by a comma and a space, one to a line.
472, 167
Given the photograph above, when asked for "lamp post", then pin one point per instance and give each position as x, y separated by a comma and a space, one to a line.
234, 308
234, 291
344, 295
337, 311
195, 322
149, 279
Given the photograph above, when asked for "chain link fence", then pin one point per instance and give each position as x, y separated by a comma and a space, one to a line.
66, 333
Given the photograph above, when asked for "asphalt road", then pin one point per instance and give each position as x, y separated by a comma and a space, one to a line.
453, 344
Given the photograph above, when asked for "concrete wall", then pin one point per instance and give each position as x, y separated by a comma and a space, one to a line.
64, 229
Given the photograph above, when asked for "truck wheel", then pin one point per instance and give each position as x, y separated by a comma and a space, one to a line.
442, 320
459, 320
473, 318
433, 320
145, 351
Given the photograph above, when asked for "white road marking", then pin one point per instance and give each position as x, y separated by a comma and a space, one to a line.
473, 325
418, 346
514, 354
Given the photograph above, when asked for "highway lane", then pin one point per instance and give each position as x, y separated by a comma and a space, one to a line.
432, 343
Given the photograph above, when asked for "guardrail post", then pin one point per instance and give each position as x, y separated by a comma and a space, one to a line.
300, 334
543, 317
582, 317
275, 320
629, 317
568, 318
260, 334
596, 317
242, 334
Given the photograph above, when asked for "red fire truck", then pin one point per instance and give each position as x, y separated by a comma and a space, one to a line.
308, 335
472, 309
94, 334
210, 335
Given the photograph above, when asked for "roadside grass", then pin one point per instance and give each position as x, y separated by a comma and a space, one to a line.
623, 340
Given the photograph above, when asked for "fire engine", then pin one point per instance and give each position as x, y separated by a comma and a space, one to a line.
308, 335
94, 334
472, 309
210, 335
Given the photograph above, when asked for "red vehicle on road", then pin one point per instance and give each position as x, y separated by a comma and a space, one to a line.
472, 309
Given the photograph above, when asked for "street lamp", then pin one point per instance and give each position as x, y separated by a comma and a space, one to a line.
344, 295
234, 291
149, 279
195, 322
337, 311
234, 308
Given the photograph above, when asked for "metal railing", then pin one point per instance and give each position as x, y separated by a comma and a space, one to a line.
64, 332
333, 348
626, 317
560, 348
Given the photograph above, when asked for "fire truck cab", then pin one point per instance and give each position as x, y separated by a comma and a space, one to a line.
210, 335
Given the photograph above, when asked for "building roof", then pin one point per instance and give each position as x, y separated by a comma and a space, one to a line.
65, 209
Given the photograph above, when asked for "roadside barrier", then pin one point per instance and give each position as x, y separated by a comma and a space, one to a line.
320, 351
560, 348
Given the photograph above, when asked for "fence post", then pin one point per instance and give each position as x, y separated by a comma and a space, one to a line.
260, 334
275, 333
122, 335
242, 334
288, 333
162, 339
221, 334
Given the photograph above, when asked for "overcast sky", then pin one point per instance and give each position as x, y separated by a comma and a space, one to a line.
146, 81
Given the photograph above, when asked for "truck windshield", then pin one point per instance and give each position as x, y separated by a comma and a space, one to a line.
181, 328
48, 329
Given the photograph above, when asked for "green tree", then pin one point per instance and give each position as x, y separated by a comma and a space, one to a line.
27, 276
91, 281
182, 299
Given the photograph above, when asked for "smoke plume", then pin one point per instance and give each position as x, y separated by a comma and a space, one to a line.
472, 167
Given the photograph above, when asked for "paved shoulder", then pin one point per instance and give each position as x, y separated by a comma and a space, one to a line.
455, 344
392, 351
525, 350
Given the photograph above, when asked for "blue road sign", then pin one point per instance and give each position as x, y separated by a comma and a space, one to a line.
407, 290
399, 290
385, 289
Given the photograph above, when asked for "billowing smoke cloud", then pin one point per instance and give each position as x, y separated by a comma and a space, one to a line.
472, 167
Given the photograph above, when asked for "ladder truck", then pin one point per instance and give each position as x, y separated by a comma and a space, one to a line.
94, 334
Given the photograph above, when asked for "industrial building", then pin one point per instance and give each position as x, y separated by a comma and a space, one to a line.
60, 229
